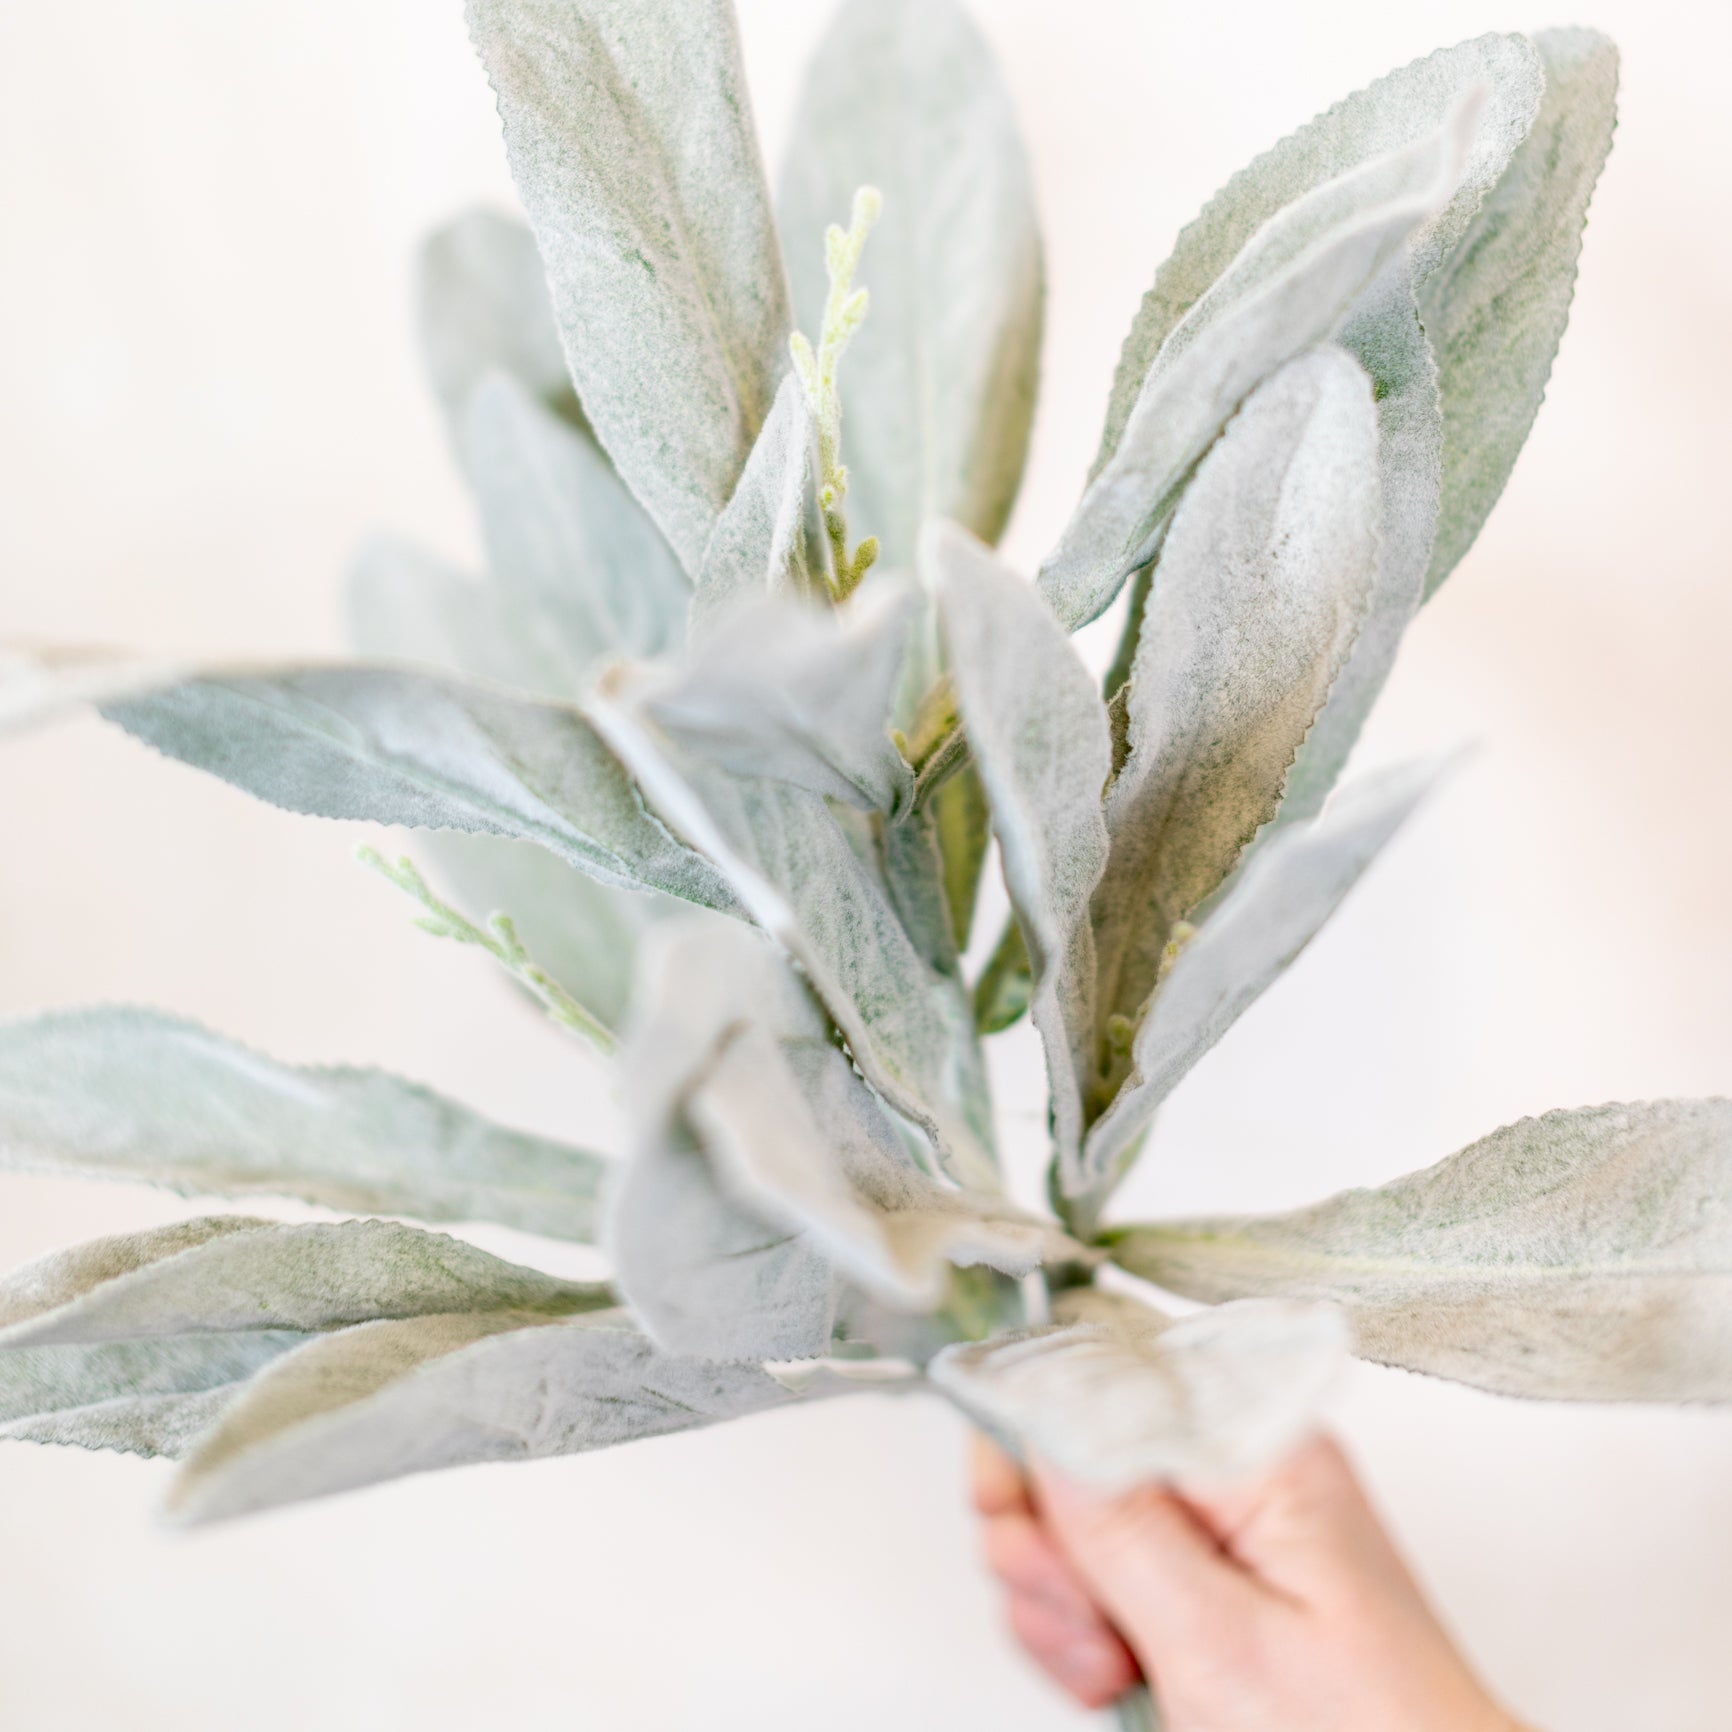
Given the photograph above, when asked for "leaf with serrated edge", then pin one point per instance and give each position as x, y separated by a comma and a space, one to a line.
792, 865
1263, 579
1038, 730
135, 1094
1585, 1255
1495, 313
1384, 336
765, 541
482, 305
1127, 1396
568, 546
800, 694
629, 134
940, 381
1394, 112
231, 1272
1293, 284
145, 1397
387, 1399
391, 746
1286, 893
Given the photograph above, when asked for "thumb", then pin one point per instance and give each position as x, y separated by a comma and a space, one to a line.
1158, 1572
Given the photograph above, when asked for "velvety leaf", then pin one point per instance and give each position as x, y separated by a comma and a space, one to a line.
765, 542
397, 746
1273, 910
1496, 311
145, 1397
903, 95
1397, 111
483, 307
798, 693
1262, 581
793, 866
1584, 1255
232, 1272
835, 1170
629, 133
1292, 285
1128, 1396
1002, 993
1384, 336
764, 1172
1038, 730
387, 1399
962, 819
702, 1272
569, 548
133, 1094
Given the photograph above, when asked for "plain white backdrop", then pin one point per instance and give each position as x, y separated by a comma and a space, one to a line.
209, 393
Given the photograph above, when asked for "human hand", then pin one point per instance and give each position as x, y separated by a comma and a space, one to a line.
1274, 1605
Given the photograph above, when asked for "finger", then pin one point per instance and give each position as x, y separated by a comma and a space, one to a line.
1091, 1664
1023, 1556
1155, 1570
1304, 1524
999, 1485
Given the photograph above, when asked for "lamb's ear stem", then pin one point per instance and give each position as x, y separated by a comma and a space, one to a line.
629, 133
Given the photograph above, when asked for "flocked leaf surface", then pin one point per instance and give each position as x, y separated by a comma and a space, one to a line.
1259, 592
1273, 910
702, 1271
387, 1399
1038, 730
764, 1172
233, 1272
1124, 1395
1290, 287
145, 1397
798, 693
1496, 312
483, 307
1397, 111
904, 95
397, 746
133, 1094
629, 134
1585, 1255
1384, 336
793, 866
568, 546
764, 541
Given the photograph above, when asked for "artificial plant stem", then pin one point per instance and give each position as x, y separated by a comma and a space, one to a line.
1135, 1711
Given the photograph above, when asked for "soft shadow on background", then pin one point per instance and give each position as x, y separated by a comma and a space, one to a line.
209, 393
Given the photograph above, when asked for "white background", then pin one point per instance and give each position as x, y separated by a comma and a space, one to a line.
208, 393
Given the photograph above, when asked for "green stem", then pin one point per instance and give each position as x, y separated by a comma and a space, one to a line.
1135, 1711
499, 939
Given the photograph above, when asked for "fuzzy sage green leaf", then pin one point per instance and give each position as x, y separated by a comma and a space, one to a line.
134, 1094
1581, 1256
629, 134
1261, 585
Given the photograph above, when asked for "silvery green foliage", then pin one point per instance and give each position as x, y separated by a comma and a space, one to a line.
1585, 1255
678, 686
